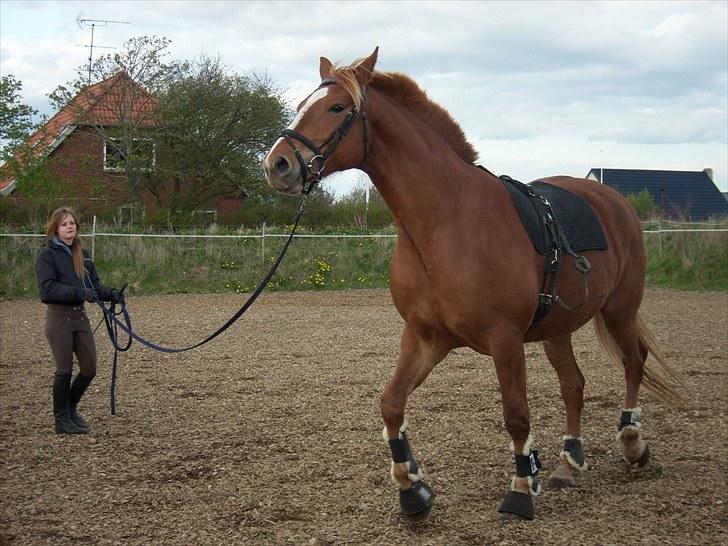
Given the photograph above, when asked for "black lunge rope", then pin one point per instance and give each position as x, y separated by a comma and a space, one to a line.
113, 323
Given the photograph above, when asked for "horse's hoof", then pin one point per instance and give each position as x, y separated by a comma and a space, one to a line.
416, 502
642, 461
419, 516
517, 506
561, 482
506, 516
562, 476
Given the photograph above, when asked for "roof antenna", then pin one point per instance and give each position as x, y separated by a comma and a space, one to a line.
93, 23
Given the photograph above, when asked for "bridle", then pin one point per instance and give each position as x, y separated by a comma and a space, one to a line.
311, 172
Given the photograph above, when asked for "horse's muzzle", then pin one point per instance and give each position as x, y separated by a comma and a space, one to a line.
282, 174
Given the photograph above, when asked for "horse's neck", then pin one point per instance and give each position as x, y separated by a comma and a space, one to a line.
424, 183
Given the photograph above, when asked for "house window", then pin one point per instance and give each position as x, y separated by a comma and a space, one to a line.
127, 214
118, 159
204, 217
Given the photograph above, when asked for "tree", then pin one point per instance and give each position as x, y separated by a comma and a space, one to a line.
39, 188
16, 118
213, 130
644, 204
363, 207
126, 119
203, 129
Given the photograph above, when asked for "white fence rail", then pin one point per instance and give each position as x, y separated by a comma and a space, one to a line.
263, 235
298, 236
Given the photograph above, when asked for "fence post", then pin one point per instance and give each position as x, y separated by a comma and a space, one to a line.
93, 238
659, 235
262, 246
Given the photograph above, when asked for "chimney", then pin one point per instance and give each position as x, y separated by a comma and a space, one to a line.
708, 171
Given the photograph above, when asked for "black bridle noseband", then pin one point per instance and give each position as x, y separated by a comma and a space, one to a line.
311, 172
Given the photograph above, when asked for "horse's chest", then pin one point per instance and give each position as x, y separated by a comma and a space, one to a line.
464, 297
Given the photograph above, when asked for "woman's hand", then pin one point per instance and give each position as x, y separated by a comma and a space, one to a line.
88, 294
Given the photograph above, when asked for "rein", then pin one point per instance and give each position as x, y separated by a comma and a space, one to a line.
312, 172
113, 323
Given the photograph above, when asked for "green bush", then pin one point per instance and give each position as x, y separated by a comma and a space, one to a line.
687, 260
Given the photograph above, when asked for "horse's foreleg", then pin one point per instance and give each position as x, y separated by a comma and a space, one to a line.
560, 353
510, 364
416, 359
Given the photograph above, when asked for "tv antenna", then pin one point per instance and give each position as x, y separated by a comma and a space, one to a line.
93, 23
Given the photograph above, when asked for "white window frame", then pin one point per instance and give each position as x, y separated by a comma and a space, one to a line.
205, 215
122, 168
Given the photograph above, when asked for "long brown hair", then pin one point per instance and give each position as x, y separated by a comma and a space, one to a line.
52, 230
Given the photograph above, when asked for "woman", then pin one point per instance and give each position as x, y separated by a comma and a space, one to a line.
66, 278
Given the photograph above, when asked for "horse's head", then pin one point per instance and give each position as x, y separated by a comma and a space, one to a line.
329, 132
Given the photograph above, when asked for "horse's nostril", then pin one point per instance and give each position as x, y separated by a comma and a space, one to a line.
282, 166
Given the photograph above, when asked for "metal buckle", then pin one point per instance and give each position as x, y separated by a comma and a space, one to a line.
316, 172
546, 298
556, 256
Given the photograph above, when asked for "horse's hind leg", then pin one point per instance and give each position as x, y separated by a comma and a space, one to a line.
417, 357
622, 340
560, 353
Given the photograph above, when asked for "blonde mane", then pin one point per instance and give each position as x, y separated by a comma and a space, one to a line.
406, 92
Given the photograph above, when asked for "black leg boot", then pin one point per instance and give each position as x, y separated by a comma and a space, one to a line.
61, 410
78, 387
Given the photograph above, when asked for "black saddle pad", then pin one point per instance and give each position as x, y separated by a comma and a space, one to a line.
577, 219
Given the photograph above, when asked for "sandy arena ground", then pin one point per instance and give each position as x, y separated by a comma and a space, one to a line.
271, 434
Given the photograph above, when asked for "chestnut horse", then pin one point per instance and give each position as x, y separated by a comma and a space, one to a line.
464, 271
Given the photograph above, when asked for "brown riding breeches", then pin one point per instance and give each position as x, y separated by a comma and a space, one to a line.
68, 331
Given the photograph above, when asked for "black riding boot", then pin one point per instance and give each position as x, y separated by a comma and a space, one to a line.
78, 387
61, 409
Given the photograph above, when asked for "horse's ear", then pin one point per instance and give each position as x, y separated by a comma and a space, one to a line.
365, 69
325, 68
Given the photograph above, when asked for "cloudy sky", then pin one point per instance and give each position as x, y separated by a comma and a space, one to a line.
540, 88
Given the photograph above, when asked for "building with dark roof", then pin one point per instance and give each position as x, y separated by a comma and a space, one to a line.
681, 195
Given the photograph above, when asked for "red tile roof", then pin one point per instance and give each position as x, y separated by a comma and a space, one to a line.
100, 104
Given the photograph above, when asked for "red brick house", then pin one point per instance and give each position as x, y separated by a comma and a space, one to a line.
84, 155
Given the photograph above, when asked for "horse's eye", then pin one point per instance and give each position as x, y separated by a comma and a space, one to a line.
337, 108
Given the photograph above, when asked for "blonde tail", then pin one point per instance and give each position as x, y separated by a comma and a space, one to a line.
652, 380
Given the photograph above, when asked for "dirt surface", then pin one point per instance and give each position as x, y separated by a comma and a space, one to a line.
271, 434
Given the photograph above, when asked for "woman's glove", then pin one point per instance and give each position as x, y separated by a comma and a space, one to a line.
87, 294
117, 297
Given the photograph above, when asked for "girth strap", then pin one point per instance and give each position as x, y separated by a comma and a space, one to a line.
557, 243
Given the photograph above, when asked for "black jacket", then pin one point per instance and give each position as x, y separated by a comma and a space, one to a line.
57, 280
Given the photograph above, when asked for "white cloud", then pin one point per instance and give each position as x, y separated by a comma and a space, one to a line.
538, 86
